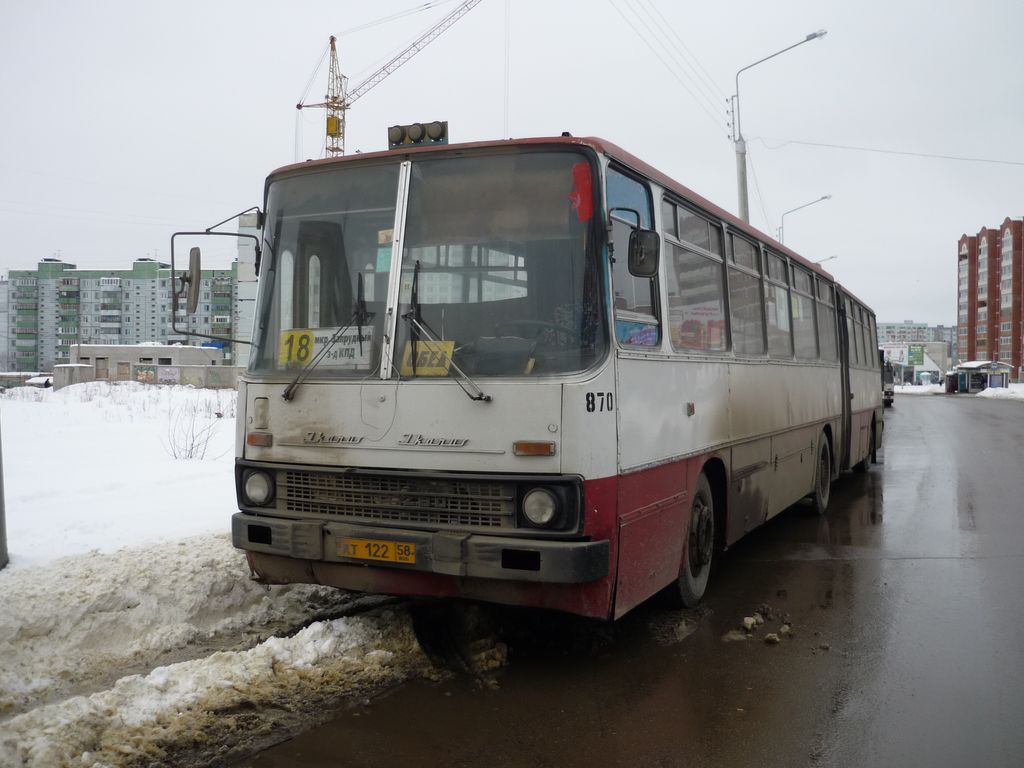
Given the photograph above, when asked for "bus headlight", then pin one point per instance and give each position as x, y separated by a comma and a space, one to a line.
258, 487
540, 507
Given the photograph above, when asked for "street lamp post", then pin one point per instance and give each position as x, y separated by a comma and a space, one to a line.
737, 133
782, 221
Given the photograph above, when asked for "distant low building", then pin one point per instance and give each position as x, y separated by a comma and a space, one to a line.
148, 364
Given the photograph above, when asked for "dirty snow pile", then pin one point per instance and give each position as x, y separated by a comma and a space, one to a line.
1012, 392
128, 623
919, 389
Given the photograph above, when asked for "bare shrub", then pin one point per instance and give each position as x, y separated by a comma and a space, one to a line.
189, 430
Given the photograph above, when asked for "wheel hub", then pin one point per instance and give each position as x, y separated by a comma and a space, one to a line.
701, 535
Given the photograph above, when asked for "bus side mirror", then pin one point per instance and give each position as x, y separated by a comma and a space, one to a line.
644, 247
192, 279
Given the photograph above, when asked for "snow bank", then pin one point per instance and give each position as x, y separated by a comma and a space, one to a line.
198, 702
82, 622
129, 626
919, 389
1012, 392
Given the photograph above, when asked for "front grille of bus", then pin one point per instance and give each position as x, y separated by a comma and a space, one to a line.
425, 502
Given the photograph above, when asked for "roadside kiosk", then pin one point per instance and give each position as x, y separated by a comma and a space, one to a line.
976, 375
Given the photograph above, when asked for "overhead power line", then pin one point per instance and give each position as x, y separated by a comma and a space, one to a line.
878, 150
672, 70
680, 67
691, 58
757, 189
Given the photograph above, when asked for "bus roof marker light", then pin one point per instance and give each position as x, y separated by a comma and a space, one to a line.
434, 132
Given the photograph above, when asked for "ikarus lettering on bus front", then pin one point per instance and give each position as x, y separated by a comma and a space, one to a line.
421, 441
323, 438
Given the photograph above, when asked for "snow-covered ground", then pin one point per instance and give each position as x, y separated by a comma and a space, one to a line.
130, 632
1012, 392
129, 626
918, 389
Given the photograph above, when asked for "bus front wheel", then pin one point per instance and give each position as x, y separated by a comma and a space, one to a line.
700, 543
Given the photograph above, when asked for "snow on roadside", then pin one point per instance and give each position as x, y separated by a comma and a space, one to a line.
82, 622
918, 389
129, 626
203, 701
1012, 392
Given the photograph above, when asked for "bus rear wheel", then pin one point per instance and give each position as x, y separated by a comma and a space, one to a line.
871, 458
822, 477
700, 544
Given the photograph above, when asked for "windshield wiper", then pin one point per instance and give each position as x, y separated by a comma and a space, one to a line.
418, 326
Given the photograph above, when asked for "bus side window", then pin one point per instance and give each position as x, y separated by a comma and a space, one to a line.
636, 306
636, 298
745, 300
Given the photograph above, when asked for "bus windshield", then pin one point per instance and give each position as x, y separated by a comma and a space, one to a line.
499, 269
324, 282
498, 275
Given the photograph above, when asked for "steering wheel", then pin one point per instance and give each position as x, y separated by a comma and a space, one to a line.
569, 337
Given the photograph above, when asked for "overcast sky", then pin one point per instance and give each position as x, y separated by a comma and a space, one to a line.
125, 121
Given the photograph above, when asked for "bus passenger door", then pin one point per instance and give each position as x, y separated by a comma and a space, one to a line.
845, 440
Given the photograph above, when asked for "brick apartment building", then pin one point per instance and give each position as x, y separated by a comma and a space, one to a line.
990, 291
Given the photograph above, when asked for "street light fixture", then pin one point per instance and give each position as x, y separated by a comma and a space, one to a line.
782, 221
737, 132
827, 258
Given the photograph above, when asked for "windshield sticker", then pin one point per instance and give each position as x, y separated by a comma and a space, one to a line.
582, 195
433, 358
298, 346
385, 238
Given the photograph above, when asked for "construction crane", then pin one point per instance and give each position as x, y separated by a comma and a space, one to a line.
339, 98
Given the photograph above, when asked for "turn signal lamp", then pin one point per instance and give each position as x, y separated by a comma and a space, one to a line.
414, 134
260, 439
533, 448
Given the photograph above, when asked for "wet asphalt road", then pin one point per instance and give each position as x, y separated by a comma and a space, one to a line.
907, 603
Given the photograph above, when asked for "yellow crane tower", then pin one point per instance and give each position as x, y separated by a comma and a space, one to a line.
339, 98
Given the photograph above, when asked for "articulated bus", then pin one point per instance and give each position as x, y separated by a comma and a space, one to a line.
533, 372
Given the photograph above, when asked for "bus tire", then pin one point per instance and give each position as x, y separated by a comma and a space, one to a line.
862, 466
699, 546
822, 477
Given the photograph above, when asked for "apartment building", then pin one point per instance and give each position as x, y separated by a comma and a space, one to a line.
990, 292
6, 337
907, 332
57, 305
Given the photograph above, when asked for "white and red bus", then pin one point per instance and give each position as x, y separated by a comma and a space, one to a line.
536, 372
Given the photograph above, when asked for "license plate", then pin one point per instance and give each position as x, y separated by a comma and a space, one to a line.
377, 550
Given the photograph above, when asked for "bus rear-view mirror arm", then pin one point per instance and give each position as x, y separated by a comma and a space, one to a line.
644, 245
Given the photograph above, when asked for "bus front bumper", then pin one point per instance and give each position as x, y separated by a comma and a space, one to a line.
448, 553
